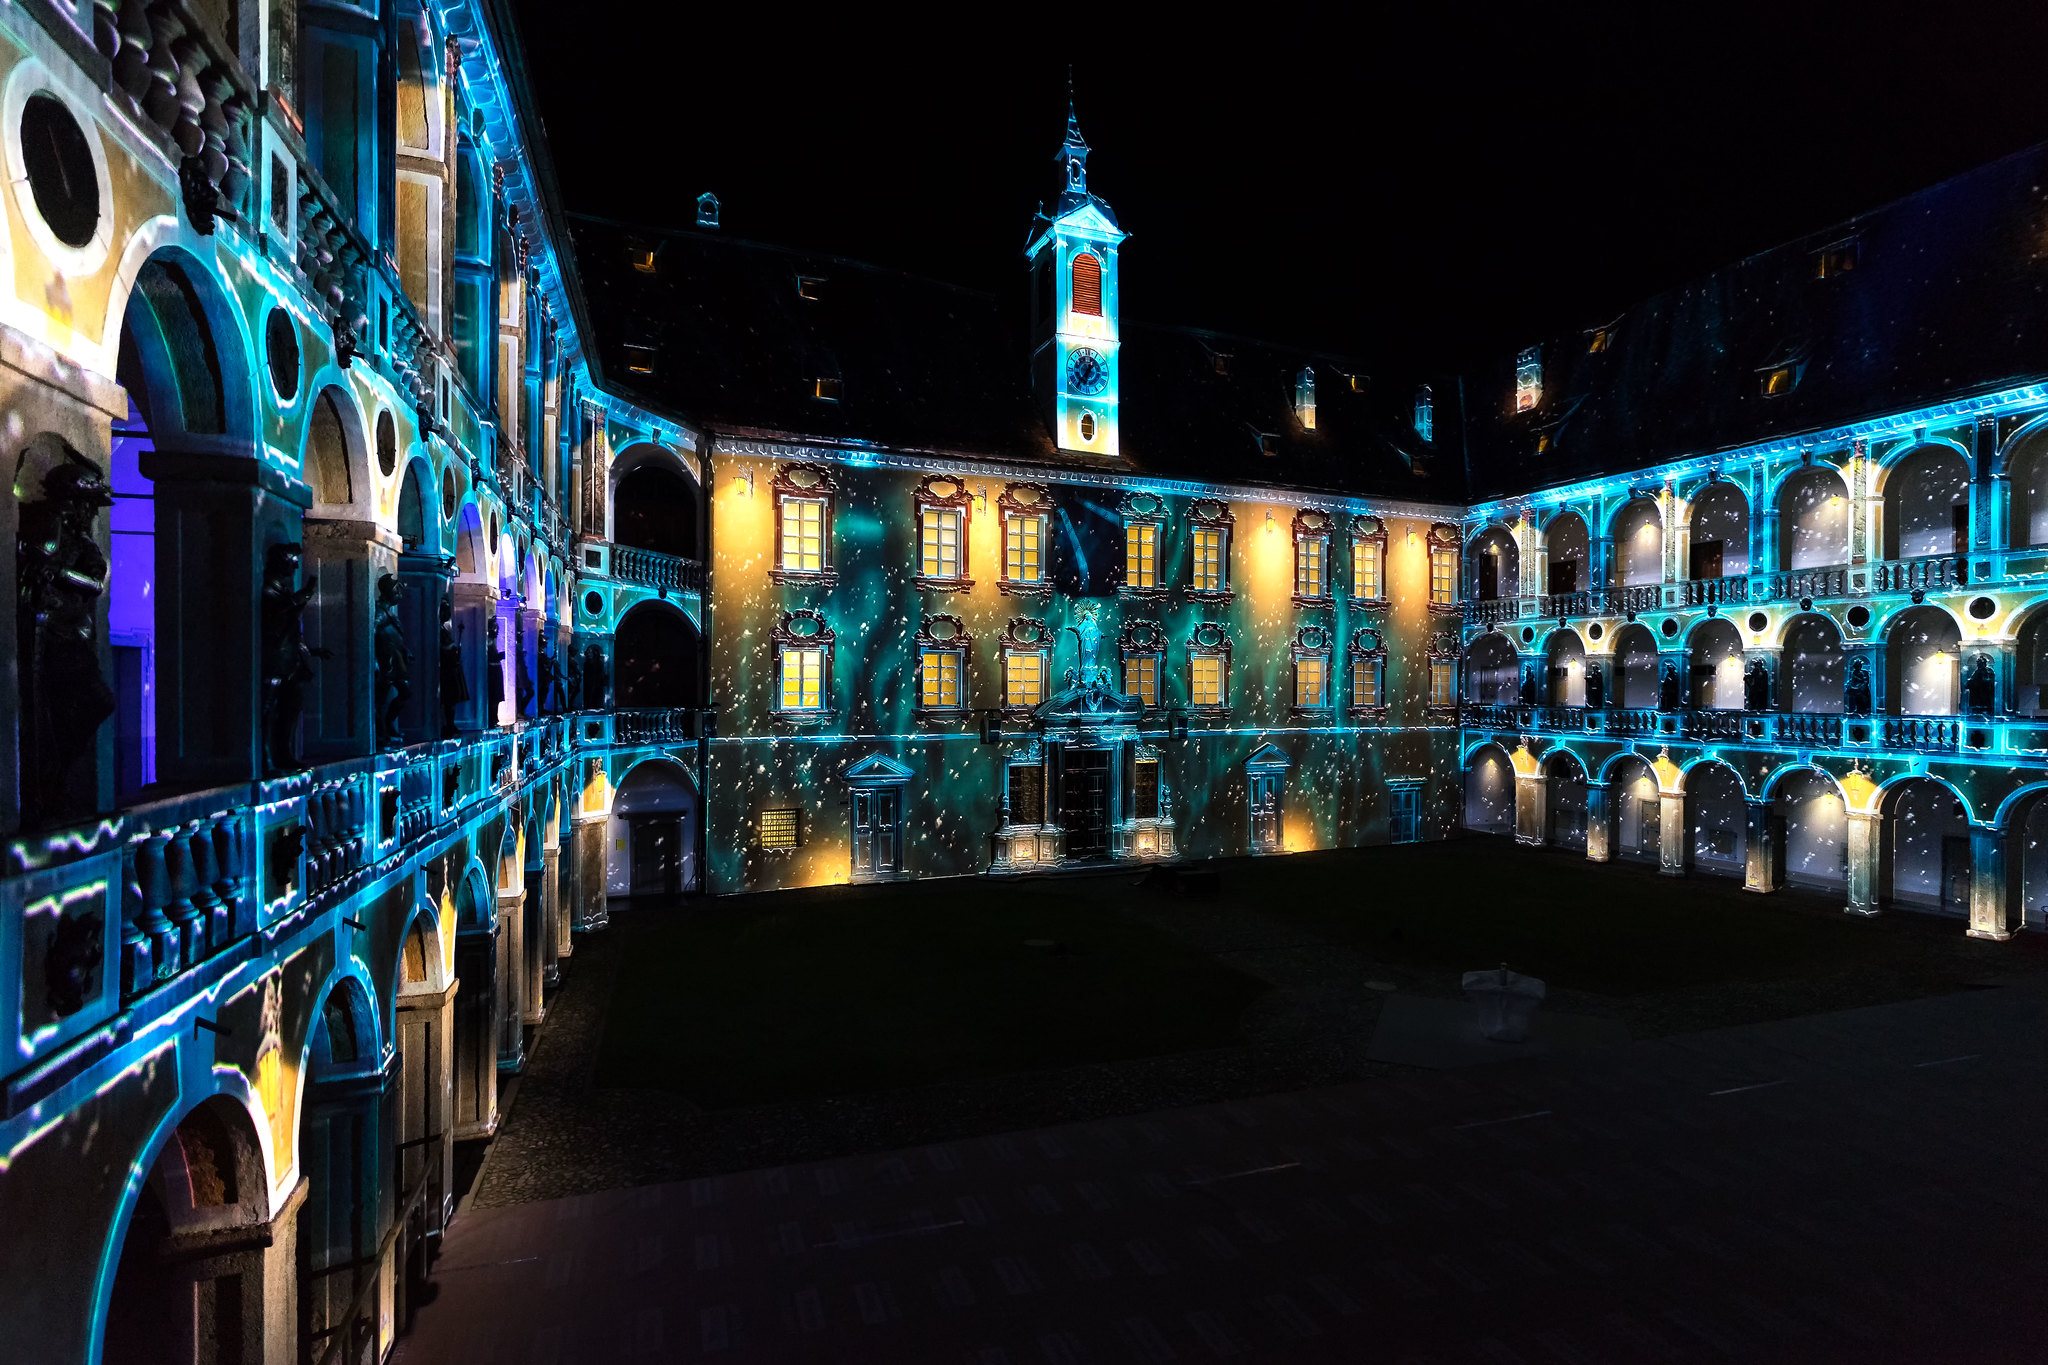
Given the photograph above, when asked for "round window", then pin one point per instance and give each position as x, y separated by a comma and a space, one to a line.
451, 493
1528, 634
58, 160
1983, 608
1596, 630
593, 602
1859, 617
1670, 626
281, 345
387, 445
1757, 620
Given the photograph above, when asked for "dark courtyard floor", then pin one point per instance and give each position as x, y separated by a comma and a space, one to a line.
1209, 1164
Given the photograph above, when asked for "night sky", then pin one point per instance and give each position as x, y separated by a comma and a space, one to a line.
1434, 189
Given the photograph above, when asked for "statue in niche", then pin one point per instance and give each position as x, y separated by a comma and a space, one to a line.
454, 686
1981, 690
597, 682
1596, 685
1670, 690
494, 666
287, 662
1529, 685
547, 703
522, 681
61, 574
1756, 686
394, 662
1856, 688
572, 681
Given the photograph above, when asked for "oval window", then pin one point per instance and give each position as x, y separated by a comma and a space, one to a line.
1757, 620
58, 160
1983, 608
387, 447
1596, 630
1670, 626
281, 347
593, 602
1087, 426
1859, 617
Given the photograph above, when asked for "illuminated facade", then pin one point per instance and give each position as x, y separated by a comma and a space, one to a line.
389, 594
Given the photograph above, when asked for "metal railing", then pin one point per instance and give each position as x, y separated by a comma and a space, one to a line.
653, 569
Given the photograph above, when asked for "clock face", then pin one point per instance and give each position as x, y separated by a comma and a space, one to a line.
1087, 371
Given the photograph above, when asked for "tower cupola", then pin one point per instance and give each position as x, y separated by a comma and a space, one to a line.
1074, 334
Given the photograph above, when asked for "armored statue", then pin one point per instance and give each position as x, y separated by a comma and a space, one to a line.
597, 681
287, 663
547, 702
1856, 688
1596, 685
522, 680
1981, 691
454, 686
494, 666
1670, 691
61, 574
394, 662
1756, 686
572, 682
1529, 685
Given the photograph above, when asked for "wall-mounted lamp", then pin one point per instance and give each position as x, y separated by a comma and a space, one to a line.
743, 483
1269, 521
981, 498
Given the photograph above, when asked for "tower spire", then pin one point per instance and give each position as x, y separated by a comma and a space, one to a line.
1072, 156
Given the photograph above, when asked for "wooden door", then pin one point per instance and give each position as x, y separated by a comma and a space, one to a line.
876, 815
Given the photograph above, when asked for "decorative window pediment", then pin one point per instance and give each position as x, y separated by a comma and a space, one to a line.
803, 646
943, 505
1311, 557
942, 644
1143, 647
806, 496
876, 770
1209, 529
1026, 509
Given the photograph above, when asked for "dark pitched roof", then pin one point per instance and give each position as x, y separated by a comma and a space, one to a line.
730, 342
1948, 297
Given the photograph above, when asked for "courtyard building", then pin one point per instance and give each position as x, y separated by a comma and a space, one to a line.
404, 568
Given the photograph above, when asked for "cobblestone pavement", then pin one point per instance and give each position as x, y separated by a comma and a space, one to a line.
1855, 1186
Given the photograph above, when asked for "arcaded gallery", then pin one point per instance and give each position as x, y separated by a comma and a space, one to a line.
407, 570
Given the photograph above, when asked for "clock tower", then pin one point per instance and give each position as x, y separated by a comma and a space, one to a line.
1073, 308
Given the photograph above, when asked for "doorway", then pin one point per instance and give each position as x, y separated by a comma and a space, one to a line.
877, 831
656, 842
1084, 801
1267, 835
1955, 873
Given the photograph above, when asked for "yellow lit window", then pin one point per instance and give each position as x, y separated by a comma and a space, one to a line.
1208, 559
1308, 566
1206, 680
803, 535
940, 669
1021, 539
778, 828
1365, 568
1141, 548
941, 542
1141, 678
1443, 575
803, 673
1024, 679
1309, 678
1443, 683
1365, 682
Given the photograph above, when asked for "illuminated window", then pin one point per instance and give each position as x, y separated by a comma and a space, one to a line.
1443, 576
1141, 556
1425, 414
1780, 381
1529, 379
1366, 554
803, 535
1368, 673
1443, 683
827, 389
810, 287
1088, 285
1141, 678
803, 675
779, 828
1208, 559
1023, 538
939, 679
940, 542
1600, 340
1209, 549
1023, 678
1365, 682
1205, 680
1311, 555
1305, 398
1311, 682
1838, 259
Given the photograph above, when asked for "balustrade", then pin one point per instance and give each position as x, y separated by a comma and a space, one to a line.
652, 569
1933, 573
1700, 592
1713, 725
1807, 730
657, 725
1635, 722
1565, 604
1495, 611
185, 892
1929, 734
1798, 584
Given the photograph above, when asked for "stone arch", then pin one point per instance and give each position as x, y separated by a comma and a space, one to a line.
2023, 816
1813, 518
183, 353
1637, 805
472, 552
1812, 665
1638, 531
1926, 501
653, 830
655, 657
2024, 464
1923, 662
1809, 814
1924, 845
1490, 790
418, 516
1636, 676
336, 461
1565, 803
655, 501
202, 1175
1564, 655
1713, 651
1717, 531
1493, 670
1716, 818
1569, 550
423, 954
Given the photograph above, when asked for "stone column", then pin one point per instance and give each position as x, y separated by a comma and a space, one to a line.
343, 560
1994, 911
557, 918
1862, 834
1531, 808
218, 510
1761, 847
1600, 563
1673, 851
1599, 819
539, 944
592, 866
1763, 528
531, 623
423, 581
475, 604
512, 977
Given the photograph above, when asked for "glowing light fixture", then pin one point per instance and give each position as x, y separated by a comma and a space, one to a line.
743, 483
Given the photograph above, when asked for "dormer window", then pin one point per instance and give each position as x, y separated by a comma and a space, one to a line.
1529, 379
641, 257
1425, 414
707, 210
639, 359
1269, 444
1220, 362
1088, 285
1838, 259
826, 389
1599, 339
1305, 398
810, 287
1780, 380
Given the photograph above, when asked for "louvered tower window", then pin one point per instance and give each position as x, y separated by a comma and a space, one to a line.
1088, 285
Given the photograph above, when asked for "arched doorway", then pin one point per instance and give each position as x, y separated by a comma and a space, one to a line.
186, 1282
1635, 667
1566, 803
1812, 665
2026, 466
1813, 519
1496, 565
654, 508
2030, 666
1813, 830
1927, 504
1492, 670
1638, 810
1569, 559
1923, 663
1639, 544
476, 1020
1565, 655
342, 1139
1718, 531
1924, 854
655, 654
1716, 820
2027, 846
1715, 655
1490, 792
425, 1139
653, 832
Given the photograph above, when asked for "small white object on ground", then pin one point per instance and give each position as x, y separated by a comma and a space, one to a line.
1506, 1001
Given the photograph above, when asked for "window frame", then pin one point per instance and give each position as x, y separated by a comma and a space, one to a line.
1026, 635
1305, 398
1143, 640
1369, 535
796, 829
1443, 651
943, 635
1020, 502
805, 483
1311, 531
800, 630
940, 493
1210, 515
1444, 540
1369, 649
1209, 640
1312, 644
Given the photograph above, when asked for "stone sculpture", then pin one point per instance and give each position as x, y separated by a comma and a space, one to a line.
1981, 691
61, 574
394, 662
287, 662
1670, 690
454, 687
1856, 689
